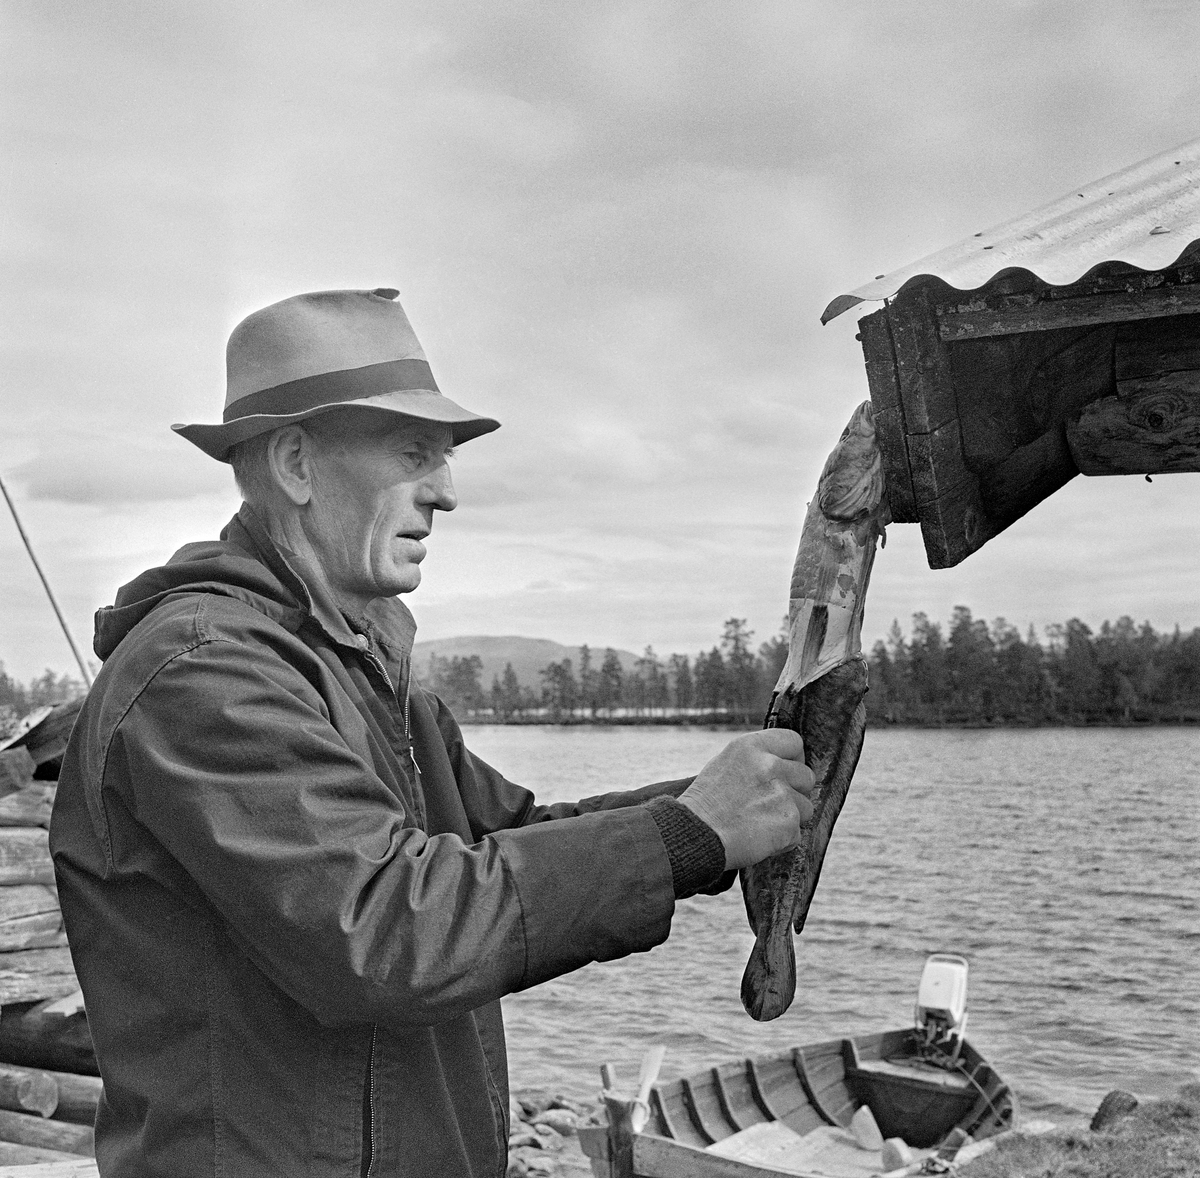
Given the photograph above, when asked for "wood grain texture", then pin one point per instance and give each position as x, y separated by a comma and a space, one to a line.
654, 1157
922, 363
1081, 311
27, 1090
23, 1129
1152, 428
1028, 475
955, 524
953, 519
883, 381
620, 1136
30, 975
1157, 346
25, 856
27, 807
78, 1097
27, 1161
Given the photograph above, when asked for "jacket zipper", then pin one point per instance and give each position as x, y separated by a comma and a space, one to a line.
369, 1107
412, 751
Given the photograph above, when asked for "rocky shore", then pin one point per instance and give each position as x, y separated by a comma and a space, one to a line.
542, 1138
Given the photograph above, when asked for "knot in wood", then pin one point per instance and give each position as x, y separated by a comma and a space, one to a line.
1158, 412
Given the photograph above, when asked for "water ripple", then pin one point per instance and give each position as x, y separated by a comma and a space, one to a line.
1062, 863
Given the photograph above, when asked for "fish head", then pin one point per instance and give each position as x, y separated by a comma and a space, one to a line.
851, 484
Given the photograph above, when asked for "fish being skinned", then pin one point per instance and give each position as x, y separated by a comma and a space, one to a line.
821, 695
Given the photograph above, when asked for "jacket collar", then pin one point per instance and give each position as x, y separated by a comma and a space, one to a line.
386, 622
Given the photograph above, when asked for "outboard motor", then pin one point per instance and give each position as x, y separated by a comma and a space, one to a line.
941, 1014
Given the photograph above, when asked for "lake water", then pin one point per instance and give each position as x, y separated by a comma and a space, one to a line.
1061, 862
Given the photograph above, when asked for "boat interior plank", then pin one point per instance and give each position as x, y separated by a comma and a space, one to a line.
742, 1107
676, 1116
779, 1085
756, 1090
799, 1062
658, 1121
828, 1079
723, 1097
703, 1108
655, 1158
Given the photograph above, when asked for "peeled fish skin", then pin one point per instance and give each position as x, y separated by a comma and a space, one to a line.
820, 695
831, 716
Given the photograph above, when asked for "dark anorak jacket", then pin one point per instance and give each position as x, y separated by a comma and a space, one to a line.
293, 896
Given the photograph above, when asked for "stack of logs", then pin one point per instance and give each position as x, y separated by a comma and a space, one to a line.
49, 1086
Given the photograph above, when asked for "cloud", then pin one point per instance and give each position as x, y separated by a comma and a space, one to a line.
110, 470
614, 227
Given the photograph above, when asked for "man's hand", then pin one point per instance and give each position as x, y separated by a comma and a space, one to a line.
754, 794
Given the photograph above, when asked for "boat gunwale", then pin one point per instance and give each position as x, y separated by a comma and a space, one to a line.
662, 1154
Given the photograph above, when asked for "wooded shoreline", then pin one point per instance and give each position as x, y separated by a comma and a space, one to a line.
968, 673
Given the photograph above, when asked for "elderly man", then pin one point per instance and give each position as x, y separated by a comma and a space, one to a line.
294, 898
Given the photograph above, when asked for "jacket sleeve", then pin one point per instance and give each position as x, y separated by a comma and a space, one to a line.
304, 853
494, 803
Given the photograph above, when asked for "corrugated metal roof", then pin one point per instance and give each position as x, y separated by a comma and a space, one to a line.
1146, 215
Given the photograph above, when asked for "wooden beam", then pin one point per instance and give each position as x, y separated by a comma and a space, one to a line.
1028, 475
946, 493
1151, 427
1157, 346
923, 372
1030, 313
882, 379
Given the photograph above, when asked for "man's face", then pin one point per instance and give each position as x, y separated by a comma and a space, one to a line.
377, 480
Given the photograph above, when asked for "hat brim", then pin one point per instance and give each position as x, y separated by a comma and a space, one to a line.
217, 440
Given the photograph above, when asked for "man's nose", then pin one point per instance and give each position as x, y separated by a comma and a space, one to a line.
439, 489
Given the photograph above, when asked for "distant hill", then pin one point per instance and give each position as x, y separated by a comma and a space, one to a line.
529, 656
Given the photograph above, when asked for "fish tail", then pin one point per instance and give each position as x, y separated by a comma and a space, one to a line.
769, 983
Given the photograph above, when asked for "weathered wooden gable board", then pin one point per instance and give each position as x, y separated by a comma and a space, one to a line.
988, 402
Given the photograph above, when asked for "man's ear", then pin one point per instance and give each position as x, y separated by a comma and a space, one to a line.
290, 455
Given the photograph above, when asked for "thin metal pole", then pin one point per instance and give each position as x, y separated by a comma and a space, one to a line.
87, 678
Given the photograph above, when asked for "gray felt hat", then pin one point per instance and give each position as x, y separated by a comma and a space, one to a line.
327, 350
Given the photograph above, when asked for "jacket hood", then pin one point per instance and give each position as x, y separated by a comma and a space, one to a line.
247, 564
212, 566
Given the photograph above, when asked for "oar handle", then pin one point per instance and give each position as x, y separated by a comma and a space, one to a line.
652, 1063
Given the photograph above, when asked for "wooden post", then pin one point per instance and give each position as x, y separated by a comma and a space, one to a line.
620, 1135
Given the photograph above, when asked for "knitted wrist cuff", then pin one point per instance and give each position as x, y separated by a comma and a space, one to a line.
694, 849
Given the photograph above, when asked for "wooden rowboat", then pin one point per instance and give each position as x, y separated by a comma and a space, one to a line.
807, 1089
803, 1111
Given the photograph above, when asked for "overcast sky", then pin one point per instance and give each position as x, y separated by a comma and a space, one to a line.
614, 227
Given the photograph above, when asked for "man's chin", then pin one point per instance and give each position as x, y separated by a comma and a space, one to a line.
404, 583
